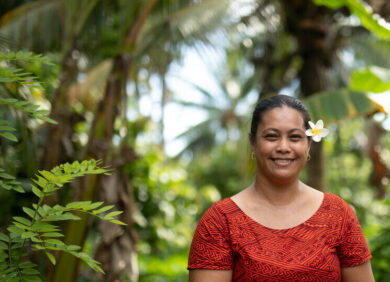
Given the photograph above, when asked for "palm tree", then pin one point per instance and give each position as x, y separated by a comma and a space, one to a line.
225, 115
136, 40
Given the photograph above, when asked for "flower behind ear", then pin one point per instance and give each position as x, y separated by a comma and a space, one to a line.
317, 131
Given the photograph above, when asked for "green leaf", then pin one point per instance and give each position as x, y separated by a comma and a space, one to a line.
48, 175
78, 205
6, 176
44, 227
40, 181
52, 234
21, 226
27, 235
3, 121
9, 276
27, 264
29, 212
7, 101
32, 279
6, 128
103, 209
118, 222
4, 237
39, 246
367, 19
112, 214
66, 216
47, 119
54, 242
37, 192
36, 240
9, 136
73, 248
371, 79
18, 189
14, 229
23, 220
334, 106
93, 206
51, 258
3, 246
30, 271
21, 103
3, 257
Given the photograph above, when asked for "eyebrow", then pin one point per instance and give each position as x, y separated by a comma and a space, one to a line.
277, 130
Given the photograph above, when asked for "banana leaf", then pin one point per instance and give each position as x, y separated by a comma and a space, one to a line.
334, 106
371, 79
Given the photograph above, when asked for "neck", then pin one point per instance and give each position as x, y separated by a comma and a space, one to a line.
277, 194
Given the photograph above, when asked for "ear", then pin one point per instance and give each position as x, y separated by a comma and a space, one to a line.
309, 146
252, 142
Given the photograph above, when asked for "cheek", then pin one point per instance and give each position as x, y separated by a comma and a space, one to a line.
264, 148
302, 149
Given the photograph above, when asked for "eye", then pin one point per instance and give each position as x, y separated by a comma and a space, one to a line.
295, 137
271, 136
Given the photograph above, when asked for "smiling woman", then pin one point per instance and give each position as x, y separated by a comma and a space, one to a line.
278, 228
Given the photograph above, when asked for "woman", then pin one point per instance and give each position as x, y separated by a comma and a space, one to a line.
278, 228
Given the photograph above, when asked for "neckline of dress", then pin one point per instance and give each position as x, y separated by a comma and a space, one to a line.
325, 197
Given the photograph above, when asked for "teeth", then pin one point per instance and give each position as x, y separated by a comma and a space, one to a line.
282, 162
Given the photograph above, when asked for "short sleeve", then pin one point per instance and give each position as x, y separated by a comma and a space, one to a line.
353, 249
210, 247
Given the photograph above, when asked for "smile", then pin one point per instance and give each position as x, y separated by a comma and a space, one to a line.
282, 162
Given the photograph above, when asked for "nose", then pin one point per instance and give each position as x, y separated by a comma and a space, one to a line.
283, 145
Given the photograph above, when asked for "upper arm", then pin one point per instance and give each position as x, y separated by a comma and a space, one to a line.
359, 273
352, 249
211, 246
204, 275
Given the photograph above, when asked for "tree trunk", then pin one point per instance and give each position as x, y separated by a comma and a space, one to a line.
164, 99
121, 243
59, 147
379, 175
99, 147
312, 78
310, 25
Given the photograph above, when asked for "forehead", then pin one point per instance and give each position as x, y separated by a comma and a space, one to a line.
282, 118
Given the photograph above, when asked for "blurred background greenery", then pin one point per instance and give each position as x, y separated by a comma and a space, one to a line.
114, 74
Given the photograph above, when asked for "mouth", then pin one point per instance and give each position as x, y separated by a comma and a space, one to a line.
282, 162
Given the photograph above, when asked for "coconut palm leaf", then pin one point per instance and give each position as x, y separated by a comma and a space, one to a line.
34, 25
48, 25
200, 137
198, 105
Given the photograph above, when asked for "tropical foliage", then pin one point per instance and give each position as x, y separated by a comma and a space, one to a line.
84, 80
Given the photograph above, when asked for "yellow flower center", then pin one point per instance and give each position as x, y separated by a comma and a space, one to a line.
315, 131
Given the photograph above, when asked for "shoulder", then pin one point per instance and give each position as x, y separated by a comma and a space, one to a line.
219, 209
335, 212
336, 201
334, 197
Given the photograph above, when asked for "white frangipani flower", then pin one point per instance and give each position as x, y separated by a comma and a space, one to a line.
317, 131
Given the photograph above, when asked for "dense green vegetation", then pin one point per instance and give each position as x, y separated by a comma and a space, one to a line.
92, 66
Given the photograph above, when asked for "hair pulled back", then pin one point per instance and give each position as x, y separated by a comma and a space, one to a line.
277, 101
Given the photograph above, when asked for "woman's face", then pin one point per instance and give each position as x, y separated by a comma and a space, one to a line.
281, 146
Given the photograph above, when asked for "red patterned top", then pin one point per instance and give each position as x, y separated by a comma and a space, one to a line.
226, 238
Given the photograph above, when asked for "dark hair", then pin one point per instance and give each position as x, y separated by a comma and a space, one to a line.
277, 101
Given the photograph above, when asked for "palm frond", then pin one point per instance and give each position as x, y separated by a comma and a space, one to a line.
186, 24
199, 105
33, 25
